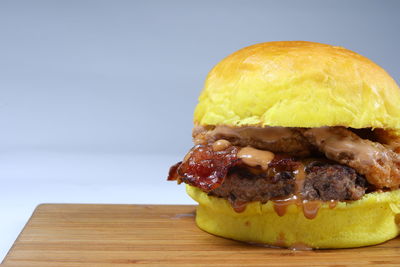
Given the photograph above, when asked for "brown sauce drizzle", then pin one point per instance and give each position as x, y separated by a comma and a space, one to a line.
265, 134
281, 240
333, 203
300, 176
221, 145
238, 206
336, 144
281, 205
310, 208
255, 157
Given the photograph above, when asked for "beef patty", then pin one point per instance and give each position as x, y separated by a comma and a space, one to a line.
323, 181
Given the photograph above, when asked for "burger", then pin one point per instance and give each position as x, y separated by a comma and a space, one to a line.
296, 144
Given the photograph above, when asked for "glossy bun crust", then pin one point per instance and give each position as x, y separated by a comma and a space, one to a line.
299, 84
371, 220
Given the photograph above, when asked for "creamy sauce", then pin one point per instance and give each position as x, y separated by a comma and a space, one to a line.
267, 134
333, 204
263, 134
252, 157
281, 240
221, 145
281, 205
239, 207
310, 208
368, 158
255, 157
335, 144
300, 176
198, 130
199, 140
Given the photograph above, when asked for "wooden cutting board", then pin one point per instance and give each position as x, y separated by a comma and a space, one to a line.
158, 235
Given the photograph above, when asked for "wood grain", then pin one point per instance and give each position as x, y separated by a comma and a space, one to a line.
158, 235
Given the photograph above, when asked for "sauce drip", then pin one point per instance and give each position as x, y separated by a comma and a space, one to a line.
221, 145
281, 240
239, 207
255, 157
337, 143
263, 134
332, 203
310, 208
281, 205
300, 176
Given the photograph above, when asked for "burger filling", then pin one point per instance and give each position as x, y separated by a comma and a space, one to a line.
275, 163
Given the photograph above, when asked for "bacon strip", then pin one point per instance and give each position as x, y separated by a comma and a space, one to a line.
205, 168
173, 172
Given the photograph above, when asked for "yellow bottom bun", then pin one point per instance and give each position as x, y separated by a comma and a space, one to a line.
371, 220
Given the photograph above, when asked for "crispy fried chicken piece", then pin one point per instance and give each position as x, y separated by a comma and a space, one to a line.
389, 138
379, 164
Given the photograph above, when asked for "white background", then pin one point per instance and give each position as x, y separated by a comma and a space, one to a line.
96, 97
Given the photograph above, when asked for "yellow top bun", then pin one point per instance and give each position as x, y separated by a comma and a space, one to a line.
299, 84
